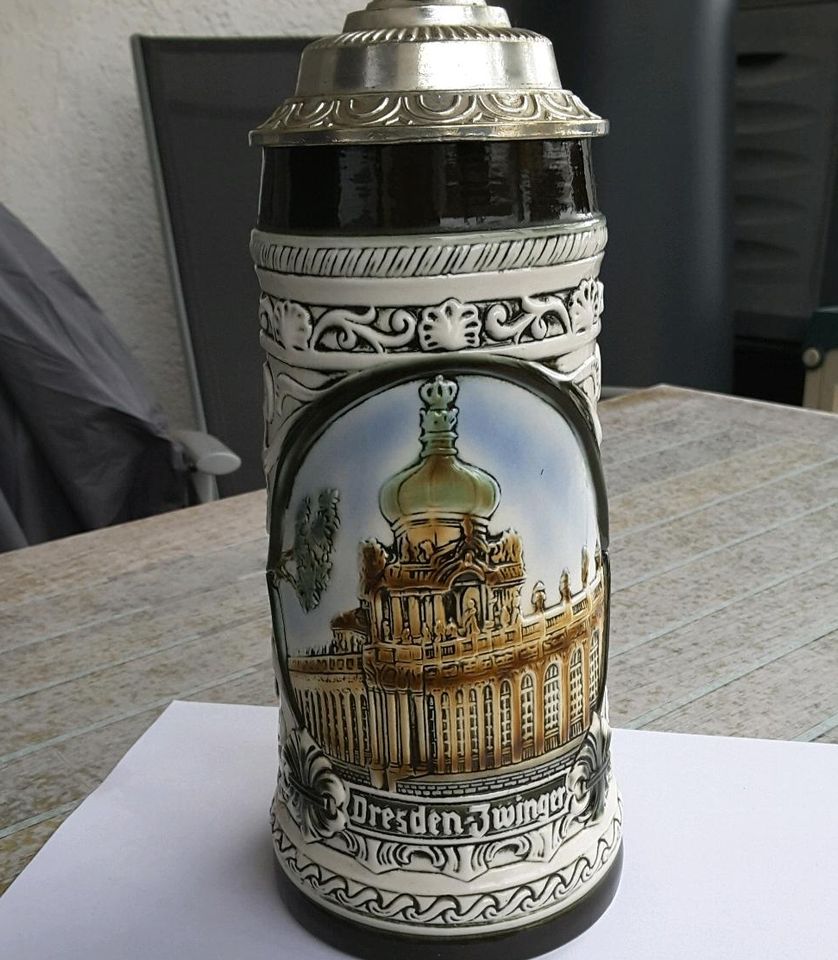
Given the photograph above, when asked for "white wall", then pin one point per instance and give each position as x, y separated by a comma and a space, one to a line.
69, 123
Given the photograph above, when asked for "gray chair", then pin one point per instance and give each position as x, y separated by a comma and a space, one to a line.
200, 99
83, 443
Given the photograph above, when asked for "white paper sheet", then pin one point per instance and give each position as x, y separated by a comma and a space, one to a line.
731, 852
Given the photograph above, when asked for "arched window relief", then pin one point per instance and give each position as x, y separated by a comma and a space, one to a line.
433, 751
356, 740
329, 725
413, 751
461, 733
527, 716
577, 694
396, 741
445, 710
489, 725
506, 722
365, 728
340, 726
552, 707
312, 720
594, 667
474, 728
347, 709
318, 719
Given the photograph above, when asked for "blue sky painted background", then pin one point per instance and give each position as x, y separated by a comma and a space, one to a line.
546, 494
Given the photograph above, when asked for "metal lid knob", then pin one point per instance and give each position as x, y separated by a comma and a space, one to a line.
407, 71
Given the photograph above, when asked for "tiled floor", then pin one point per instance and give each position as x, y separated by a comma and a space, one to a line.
725, 616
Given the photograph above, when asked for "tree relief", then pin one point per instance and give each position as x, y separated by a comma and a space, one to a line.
307, 564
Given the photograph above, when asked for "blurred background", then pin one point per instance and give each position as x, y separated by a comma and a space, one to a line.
130, 370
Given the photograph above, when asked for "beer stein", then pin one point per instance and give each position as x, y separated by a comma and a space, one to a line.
428, 248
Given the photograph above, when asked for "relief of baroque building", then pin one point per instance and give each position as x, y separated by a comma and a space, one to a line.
439, 672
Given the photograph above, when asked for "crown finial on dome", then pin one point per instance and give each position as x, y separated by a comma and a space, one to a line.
439, 484
439, 393
439, 416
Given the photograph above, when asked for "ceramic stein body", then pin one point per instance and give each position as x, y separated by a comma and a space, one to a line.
438, 568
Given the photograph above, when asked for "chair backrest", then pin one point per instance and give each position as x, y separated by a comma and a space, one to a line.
200, 99
786, 204
662, 72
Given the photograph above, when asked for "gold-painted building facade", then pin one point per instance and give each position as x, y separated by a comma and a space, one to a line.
439, 671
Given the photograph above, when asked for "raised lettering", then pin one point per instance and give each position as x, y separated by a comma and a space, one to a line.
478, 819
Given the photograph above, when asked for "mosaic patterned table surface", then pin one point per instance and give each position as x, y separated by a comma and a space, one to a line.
724, 521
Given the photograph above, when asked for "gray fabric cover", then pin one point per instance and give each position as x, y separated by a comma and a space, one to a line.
82, 442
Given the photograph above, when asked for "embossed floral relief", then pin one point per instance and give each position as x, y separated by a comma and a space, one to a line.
312, 791
587, 780
286, 321
450, 325
586, 305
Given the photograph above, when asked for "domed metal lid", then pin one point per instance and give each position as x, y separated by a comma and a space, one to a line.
412, 70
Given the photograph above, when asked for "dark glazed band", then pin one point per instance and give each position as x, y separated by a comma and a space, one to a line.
426, 187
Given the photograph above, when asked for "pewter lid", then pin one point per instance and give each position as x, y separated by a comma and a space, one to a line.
410, 70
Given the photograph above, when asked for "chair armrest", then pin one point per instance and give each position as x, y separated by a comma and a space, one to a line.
205, 453
820, 357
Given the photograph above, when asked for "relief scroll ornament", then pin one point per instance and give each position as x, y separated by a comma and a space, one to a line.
317, 802
588, 779
306, 331
513, 906
313, 793
299, 338
430, 114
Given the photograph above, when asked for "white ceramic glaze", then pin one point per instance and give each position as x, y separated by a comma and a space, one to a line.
440, 592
